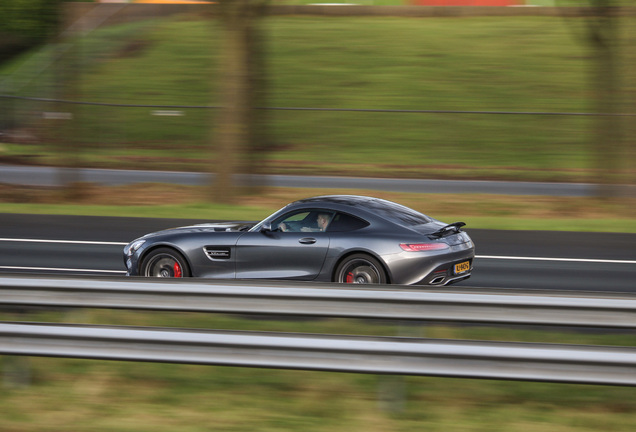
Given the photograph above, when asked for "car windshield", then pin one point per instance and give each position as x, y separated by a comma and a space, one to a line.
257, 227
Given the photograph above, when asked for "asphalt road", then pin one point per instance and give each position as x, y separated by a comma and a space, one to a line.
505, 259
50, 176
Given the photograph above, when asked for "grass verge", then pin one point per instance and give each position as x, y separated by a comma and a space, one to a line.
188, 202
95, 396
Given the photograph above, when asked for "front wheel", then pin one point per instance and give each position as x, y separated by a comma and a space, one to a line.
165, 262
360, 269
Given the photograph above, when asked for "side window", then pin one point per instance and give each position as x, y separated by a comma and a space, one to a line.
343, 222
296, 217
291, 222
315, 220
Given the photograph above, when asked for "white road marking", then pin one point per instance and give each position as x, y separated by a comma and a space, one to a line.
586, 260
16, 240
62, 241
56, 269
62, 269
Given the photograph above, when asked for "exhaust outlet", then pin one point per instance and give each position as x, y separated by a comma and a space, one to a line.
438, 280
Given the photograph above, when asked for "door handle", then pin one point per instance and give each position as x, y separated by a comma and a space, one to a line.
307, 240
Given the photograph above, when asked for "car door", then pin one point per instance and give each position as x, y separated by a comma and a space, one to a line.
293, 254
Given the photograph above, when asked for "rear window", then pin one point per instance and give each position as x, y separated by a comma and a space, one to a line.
343, 222
398, 213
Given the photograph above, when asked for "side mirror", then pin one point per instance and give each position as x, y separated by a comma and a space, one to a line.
266, 227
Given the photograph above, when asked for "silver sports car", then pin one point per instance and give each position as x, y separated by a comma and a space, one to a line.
338, 238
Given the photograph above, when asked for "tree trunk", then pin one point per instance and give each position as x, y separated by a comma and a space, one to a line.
64, 119
607, 146
238, 135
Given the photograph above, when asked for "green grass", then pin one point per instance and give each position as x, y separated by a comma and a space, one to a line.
125, 397
185, 211
206, 211
188, 202
549, 3
85, 395
516, 64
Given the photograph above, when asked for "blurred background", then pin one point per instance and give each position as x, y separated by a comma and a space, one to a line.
505, 90
380, 89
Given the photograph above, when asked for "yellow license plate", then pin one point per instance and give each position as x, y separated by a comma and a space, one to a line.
462, 267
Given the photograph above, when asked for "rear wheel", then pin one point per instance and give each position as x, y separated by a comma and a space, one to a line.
165, 262
360, 269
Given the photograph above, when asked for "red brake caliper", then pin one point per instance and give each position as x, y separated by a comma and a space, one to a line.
350, 277
177, 270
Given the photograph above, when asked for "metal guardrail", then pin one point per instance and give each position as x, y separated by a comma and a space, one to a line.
383, 355
289, 298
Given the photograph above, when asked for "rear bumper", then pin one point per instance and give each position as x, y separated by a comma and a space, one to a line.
445, 274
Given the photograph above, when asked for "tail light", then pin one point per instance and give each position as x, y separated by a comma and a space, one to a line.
423, 247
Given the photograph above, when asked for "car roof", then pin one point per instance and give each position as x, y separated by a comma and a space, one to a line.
373, 208
352, 200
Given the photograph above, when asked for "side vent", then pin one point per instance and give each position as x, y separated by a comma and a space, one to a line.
217, 253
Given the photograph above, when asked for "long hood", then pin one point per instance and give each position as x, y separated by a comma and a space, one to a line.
205, 228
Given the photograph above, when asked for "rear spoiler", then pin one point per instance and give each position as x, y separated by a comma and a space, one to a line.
453, 228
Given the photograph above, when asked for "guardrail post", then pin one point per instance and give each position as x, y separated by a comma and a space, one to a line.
392, 388
391, 393
16, 371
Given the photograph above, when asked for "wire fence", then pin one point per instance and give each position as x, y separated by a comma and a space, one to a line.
180, 137
361, 110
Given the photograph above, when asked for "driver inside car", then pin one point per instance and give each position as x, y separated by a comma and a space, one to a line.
322, 220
